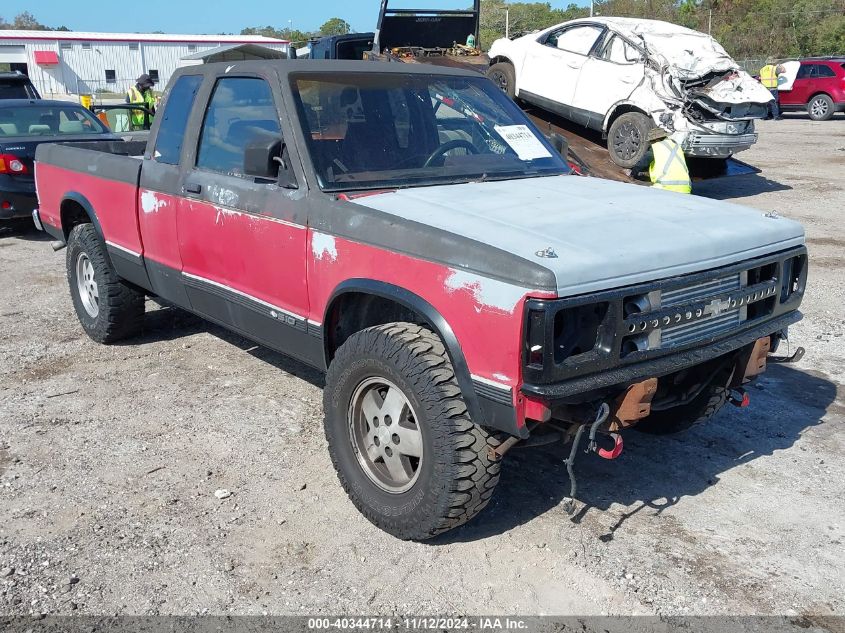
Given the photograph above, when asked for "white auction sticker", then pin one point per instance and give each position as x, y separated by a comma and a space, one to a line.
523, 141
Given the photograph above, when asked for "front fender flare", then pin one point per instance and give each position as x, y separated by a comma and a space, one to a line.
484, 410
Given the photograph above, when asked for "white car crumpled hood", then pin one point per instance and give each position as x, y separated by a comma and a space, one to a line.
605, 234
691, 55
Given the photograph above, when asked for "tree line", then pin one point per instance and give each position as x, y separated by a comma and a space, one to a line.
746, 28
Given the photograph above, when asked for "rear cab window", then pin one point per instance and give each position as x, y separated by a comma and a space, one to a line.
171, 131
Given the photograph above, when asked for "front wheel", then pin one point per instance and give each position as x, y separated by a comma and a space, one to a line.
504, 76
820, 108
401, 441
627, 139
107, 308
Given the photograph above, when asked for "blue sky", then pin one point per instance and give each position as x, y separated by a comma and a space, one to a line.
209, 16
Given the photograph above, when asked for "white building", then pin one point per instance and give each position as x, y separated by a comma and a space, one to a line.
69, 62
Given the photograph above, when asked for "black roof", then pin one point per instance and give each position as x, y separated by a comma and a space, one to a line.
290, 66
831, 58
5, 74
11, 103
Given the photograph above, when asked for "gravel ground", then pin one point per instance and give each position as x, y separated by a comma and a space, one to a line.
110, 458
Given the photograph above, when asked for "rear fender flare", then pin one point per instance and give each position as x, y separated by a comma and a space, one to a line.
82, 201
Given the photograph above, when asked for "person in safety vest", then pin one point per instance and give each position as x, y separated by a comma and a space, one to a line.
770, 76
668, 169
141, 94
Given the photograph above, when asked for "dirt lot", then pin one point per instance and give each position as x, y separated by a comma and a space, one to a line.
110, 458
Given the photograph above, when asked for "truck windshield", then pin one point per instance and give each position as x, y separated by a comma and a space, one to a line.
374, 130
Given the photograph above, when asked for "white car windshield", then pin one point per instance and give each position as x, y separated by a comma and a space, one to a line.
371, 130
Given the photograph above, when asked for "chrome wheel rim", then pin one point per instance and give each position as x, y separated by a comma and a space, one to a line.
819, 107
385, 435
87, 286
627, 141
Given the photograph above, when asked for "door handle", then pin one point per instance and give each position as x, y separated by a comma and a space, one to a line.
193, 187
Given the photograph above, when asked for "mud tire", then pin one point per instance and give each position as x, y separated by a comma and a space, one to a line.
456, 475
120, 311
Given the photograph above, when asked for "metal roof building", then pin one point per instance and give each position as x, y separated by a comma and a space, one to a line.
70, 62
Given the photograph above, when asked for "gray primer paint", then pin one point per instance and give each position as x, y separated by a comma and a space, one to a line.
605, 234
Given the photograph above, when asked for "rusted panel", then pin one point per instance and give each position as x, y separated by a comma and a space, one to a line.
756, 363
633, 405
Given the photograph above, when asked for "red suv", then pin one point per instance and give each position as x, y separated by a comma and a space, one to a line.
819, 88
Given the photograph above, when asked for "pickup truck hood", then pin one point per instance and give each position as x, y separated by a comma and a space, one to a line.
602, 234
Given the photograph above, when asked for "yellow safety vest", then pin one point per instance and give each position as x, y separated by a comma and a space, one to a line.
146, 99
669, 169
769, 76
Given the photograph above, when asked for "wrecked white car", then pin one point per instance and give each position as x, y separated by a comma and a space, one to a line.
623, 76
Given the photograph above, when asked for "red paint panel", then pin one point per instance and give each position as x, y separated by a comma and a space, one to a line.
257, 255
485, 315
157, 219
114, 202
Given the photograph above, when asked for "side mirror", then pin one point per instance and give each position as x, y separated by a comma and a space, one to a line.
560, 143
266, 157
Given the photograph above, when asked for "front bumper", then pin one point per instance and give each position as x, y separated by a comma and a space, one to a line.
16, 205
624, 376
709, 145
575, 346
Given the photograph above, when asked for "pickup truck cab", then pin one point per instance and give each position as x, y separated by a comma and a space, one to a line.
407, 230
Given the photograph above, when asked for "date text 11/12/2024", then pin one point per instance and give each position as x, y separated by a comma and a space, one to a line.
418, 623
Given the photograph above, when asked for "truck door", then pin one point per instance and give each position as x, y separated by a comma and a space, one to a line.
159, 191
242, 239
552, 65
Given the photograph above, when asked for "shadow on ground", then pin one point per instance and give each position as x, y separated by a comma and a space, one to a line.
22, 228
655, 472
732, 187
164, 322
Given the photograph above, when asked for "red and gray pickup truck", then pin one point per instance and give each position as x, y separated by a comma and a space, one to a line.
409, 231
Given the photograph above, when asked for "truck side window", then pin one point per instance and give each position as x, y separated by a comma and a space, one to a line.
241, 109
171, 131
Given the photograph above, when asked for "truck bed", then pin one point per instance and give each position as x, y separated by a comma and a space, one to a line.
93, 175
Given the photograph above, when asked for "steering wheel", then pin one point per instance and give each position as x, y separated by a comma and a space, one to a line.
441, 151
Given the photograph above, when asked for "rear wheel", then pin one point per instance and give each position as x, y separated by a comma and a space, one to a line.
504, 76
399, 435
107, 308
627, 138
820, 108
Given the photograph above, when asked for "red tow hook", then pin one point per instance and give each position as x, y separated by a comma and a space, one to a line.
613, 453
739, 398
